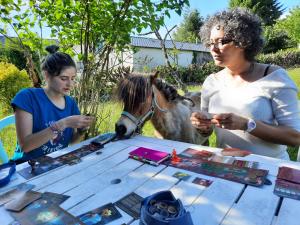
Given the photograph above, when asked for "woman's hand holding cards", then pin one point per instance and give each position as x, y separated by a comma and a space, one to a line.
202, 122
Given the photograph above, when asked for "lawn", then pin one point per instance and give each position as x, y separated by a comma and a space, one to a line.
113, 109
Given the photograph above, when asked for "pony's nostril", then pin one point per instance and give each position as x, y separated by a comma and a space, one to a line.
120, 130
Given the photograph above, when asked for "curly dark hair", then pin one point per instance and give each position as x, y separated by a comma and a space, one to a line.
240, 25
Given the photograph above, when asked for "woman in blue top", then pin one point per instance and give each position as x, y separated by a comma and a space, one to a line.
47, 119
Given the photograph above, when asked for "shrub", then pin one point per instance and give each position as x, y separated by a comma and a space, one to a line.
17, 57
13, 56
285, 58
11, 81
191, 74
276, 39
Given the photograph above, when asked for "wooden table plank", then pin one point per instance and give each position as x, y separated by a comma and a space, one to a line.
289, 213
66, 171
113, 192
213, 204
256, 206
83, 176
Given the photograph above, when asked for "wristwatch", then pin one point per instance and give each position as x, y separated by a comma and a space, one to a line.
251, 125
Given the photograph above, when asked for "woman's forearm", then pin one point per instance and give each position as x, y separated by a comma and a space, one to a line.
33, 141
276, 134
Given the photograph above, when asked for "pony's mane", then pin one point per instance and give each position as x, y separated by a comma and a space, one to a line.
134, 90
167, 90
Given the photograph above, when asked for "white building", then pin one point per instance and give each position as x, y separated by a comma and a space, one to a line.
147, 54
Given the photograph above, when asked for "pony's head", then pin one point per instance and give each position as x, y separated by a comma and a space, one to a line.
142, 96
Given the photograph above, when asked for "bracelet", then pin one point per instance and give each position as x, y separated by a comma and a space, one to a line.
55, 128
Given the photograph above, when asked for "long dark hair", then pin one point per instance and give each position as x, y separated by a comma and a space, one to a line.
56, 61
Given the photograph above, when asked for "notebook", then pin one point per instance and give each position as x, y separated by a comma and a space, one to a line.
147, 155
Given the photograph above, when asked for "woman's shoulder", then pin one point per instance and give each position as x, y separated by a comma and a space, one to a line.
29, 91
215, 77
279, 77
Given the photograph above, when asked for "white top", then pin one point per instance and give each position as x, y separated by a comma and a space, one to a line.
271, 99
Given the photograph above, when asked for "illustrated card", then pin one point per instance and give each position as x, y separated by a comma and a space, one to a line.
86, 150
54, 198
289, 174
131, 204
202, 182
244, 163
70, 159
287, 189
103, 139
42, 165
193, 153
22, 201
254, 177
207, 156
181, 176
222, 159
101, 215
38, 213
235, 152
15, 193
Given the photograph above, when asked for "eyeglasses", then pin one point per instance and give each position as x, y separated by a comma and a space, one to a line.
219, 44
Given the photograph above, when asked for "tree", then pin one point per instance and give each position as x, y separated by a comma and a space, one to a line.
291, 24
99, 28
188, 31
20, 18
276, 39
268, 10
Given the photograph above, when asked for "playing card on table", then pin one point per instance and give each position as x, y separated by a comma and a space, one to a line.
22, 201
15, 192
38, 213
131, 204
202, 181
181, 175
102, 215
42, 165
69, 159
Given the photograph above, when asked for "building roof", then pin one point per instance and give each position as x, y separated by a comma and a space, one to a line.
155, 43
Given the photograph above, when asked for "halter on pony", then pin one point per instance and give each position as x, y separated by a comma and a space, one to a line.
142, 119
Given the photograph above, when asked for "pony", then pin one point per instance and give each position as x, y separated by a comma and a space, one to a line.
148, 97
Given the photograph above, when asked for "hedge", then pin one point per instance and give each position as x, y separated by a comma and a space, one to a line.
196, 74
285, 58
11, 81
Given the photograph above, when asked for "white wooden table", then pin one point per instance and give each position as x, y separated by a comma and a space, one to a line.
223, 202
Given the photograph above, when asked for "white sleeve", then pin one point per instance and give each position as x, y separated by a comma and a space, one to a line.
206, 92
285, 106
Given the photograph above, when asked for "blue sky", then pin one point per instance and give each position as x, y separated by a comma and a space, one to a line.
205, 7
209, 7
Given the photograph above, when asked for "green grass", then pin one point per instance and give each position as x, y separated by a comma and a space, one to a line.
111, 113
295, 75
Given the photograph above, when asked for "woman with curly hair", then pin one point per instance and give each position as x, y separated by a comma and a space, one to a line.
253, 106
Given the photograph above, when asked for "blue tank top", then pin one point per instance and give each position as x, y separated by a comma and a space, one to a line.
43, 111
